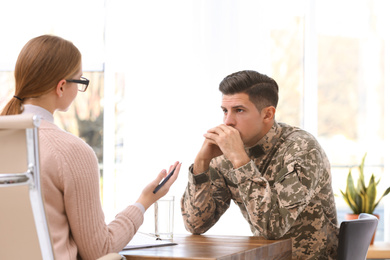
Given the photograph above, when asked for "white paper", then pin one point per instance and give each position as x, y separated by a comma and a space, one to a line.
141, 240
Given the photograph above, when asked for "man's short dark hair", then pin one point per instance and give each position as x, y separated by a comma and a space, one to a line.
261, 89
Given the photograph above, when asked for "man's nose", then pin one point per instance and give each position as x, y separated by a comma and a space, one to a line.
229, 120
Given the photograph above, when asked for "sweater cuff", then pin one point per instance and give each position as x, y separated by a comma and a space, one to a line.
135, 214
140, 206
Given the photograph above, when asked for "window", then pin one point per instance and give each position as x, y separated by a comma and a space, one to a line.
155, 67
20, 24
351, 91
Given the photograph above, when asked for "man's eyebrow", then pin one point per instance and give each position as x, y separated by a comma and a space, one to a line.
238, 106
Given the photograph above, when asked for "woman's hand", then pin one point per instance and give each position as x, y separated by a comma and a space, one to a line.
147, 197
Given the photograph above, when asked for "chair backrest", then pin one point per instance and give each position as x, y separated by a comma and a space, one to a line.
24, 232
355, 237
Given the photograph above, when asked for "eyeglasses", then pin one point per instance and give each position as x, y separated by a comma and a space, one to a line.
82, 83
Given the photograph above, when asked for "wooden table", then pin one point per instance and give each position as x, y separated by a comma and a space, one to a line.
210, 247
379, 250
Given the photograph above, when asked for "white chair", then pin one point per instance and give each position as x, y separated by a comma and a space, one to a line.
355, 237
24, 232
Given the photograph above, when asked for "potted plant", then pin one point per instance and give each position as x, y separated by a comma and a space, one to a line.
361, 198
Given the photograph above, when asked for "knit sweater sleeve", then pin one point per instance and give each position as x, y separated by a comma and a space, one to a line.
80, 175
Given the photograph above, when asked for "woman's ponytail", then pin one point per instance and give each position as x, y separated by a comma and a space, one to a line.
13, 107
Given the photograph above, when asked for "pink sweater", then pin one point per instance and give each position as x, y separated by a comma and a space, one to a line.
70, 184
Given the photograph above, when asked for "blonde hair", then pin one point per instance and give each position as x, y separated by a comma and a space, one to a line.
42, 63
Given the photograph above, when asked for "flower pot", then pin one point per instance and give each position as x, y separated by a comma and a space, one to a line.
356, 216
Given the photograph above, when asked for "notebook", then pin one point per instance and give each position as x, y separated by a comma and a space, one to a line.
142, 240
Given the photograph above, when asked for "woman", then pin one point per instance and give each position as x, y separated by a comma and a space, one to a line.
48, 76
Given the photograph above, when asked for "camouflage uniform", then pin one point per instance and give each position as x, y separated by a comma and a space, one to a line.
285, 191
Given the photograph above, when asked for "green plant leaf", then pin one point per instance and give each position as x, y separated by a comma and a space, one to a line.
353, 198
371, 195
361, 198
353, 204
364, 200
361, 183
361, 166
377, 183
384, 194
346, 199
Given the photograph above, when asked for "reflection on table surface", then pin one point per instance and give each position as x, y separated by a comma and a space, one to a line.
216, 247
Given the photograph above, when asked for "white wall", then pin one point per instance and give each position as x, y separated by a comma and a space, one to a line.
173, 64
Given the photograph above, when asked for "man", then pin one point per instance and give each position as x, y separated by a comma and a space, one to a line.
277, 174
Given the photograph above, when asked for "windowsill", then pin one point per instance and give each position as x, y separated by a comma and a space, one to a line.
379, 250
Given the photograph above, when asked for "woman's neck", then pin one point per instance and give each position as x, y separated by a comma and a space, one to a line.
43, 102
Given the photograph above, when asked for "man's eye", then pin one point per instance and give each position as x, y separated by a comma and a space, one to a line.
239, 110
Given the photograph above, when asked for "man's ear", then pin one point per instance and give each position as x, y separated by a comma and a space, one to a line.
269, 113
60, 88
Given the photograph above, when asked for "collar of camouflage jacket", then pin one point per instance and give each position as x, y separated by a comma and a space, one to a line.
266, 143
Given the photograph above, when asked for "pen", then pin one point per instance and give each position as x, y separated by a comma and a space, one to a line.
164, 181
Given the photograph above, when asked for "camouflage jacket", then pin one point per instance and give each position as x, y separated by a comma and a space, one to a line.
285, 191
